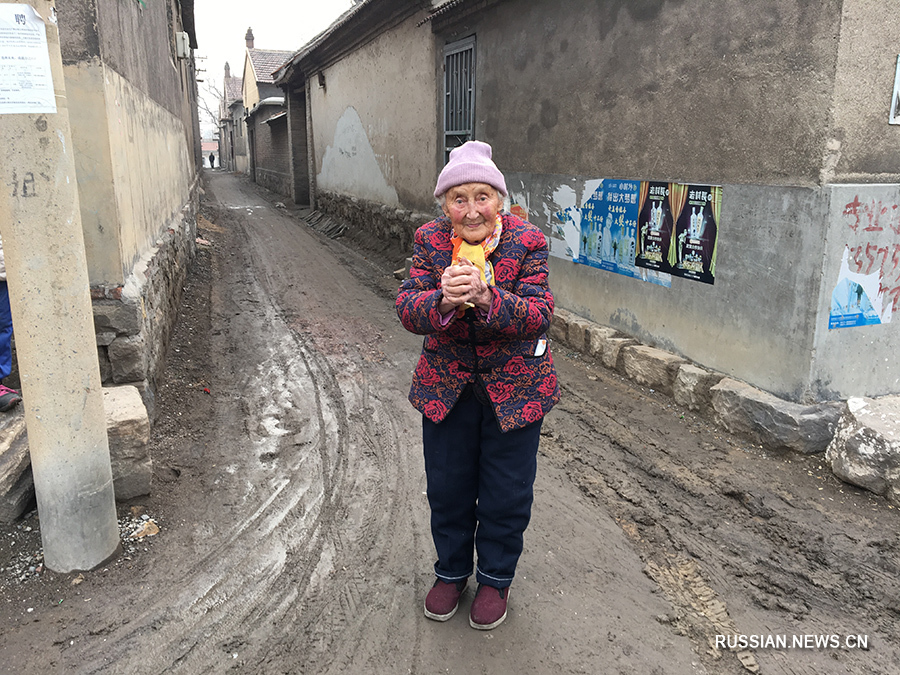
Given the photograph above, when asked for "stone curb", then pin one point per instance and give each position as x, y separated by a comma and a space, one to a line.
860, 437
763, 418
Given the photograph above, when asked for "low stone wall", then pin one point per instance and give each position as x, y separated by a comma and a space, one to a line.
734, 405
372, 222
133, 322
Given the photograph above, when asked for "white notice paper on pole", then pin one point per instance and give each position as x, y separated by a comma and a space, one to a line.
26, 81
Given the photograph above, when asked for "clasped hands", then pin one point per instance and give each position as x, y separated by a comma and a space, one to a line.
462, 283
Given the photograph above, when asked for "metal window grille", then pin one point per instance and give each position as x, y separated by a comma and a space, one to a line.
459, 94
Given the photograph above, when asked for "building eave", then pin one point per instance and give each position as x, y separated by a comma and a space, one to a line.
355, 28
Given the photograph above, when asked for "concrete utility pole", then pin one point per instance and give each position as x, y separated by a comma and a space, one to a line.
49, 293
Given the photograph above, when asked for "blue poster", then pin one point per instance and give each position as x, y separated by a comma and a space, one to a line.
858, 299
609, 227
850, 306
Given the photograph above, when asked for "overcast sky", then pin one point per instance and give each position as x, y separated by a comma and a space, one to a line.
277, 24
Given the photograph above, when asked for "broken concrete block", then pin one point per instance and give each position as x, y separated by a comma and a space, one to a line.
14, 458
865, 450
692, 385
772, 422
651, 367
18, 499
16, 483
128, 429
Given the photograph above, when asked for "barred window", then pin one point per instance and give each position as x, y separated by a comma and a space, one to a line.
459, 94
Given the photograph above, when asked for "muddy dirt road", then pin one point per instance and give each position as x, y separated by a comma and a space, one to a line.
289, 490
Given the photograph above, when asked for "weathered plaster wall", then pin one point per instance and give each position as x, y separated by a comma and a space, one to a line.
699, 92
380, 146
151, 165
241, 160
250, 90
139, 44
756, 323
863, 147
93, 161
132, 105
864, 224
134, 168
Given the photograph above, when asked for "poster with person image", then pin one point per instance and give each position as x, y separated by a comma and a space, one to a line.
655, 226
693, 248
609, 227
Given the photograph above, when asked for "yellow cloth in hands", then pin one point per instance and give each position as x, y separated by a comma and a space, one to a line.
474, 253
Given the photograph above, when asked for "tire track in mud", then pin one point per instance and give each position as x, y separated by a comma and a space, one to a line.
334, 626
736, 545
214, 595
310, 501
330, 624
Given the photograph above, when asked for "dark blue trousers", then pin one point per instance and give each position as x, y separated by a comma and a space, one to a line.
6, 331
480, 488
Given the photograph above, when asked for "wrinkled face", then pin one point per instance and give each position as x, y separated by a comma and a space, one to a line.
472, 209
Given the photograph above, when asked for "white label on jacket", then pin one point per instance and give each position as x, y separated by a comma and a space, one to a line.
541, 347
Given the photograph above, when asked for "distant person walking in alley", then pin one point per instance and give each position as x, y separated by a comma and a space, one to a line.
212, 160
483, 383
9, 398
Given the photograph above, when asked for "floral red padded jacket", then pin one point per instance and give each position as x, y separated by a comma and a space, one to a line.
507, 353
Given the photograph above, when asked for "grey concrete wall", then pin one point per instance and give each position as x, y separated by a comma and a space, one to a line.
864, 225
862, 146
701, 92
756, 323
775, 100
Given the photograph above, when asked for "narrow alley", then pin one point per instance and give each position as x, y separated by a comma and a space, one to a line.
294, 538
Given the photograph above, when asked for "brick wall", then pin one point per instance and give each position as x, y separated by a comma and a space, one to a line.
273, 160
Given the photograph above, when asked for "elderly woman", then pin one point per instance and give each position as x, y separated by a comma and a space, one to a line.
483, 383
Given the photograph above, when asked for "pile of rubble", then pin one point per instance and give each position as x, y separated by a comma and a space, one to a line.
22, 556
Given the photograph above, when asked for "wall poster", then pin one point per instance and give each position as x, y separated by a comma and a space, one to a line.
656, 226
679, 229
695, 241
858, 299
894, 114
609, 227
648, 230
26, 81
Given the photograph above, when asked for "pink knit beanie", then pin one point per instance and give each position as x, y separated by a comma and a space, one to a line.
470, 163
